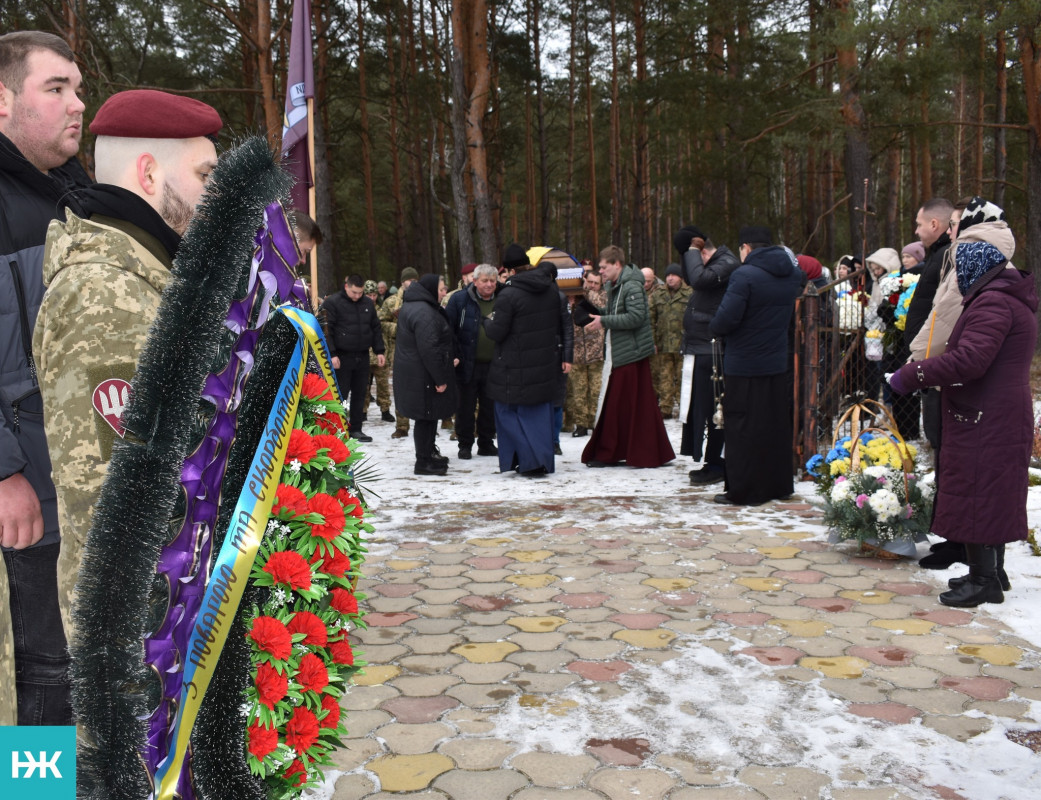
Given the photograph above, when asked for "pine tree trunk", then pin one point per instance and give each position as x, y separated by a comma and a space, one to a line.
615, 143
593, 242
460, 197
366, 145
1000, 113
399, 253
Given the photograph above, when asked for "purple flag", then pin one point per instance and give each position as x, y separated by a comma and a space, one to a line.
299, 88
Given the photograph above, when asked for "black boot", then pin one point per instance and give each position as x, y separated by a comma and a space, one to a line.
1006, 585
426, 466
944, 554
982, 584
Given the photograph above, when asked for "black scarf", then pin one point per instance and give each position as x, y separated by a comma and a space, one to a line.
118, 203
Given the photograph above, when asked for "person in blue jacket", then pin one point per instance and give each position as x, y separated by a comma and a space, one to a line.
754, 315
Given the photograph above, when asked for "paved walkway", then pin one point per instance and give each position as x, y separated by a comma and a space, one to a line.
644, 647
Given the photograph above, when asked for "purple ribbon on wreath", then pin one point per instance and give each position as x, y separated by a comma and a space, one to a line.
184, 562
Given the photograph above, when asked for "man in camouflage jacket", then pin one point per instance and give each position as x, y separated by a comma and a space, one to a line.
668, 304
105, 272
583, 386
388, 315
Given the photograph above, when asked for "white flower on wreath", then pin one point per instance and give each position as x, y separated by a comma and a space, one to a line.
840, 492
885, 504
875, 472
294, 465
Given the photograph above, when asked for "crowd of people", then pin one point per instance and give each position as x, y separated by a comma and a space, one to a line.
508, 355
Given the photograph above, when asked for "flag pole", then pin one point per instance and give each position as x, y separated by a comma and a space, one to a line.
311, 202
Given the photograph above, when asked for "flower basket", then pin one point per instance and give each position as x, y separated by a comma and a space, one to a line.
874, 347
871, 489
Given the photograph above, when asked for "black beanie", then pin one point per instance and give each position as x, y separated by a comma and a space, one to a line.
755, 234
673, 269
430, 282
681, 241
515, 257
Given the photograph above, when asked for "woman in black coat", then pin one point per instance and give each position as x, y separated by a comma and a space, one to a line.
424, 372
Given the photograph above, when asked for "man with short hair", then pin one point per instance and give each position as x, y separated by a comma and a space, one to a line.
105, 270
583, 386
474, 352
754, 315
629, 428
41, 121
932, 226
381, 293
378, 373
388, 315
668, 305
354, 328
308, 234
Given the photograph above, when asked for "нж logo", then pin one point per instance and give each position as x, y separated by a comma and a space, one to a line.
110, 400
31, 765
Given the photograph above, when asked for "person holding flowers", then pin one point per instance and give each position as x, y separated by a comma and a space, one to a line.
984, 375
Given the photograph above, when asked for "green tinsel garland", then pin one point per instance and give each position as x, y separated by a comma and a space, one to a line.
113, 690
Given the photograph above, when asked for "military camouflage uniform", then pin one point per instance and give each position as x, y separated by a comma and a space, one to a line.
389, 319
667, 308
8, 700
104, 280
583, 386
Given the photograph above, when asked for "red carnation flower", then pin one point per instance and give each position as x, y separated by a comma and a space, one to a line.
301, 446
302, 729
271, 636
343, 601
307, 623
334, 562
330, 423
271, 687
351, 504
262, 740
342, 653
297, 769
316, 388
290, 500
332, 511
332, 705
289, 567
312, 674
338, 451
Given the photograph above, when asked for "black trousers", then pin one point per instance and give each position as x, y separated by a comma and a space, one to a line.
759, 463
473, 398
702, 407
353, 377
423, 433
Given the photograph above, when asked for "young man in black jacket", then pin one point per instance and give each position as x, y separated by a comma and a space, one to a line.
353, 329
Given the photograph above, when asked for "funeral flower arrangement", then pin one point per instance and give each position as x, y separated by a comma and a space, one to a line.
309, 560
897, 291
851, 310
887, 498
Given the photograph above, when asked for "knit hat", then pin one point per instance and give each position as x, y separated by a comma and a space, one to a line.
430, 282
409, 274
755, 234
811, 266
916, 250
673, 269
370, 287
515, 257
681, 241
885, 257
979, 210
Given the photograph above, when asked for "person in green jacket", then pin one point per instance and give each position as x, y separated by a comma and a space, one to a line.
629, 427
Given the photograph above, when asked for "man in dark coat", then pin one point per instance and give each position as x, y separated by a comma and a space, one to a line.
932, 226
424, 379
523, 379
466, 308
41, 120
754, 315
707, 269
354, 328
988, 432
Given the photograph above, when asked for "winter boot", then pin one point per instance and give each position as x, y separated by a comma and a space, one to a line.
426, 466
982, 584
944, 554
1006, 585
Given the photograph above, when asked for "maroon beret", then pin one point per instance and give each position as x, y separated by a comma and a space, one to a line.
151, 114
468, 268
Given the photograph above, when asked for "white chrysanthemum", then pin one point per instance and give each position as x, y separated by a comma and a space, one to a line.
928, 489
876, 471
885, 504
840, 492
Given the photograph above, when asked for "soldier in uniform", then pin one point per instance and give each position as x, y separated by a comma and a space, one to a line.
389, 319
668, 304
41, 119
379, 373
583, 386
105, 269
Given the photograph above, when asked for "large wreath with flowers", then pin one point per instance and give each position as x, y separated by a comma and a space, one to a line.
308, 560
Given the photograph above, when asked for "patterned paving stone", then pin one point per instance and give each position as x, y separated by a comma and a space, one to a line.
887, 712
600, 670
744, 619
979, 688
620, 752
414, 739
423, 685
800, 627
376, 674
799, 576
409, 773
583, 600
647, 639
840, 667
960, 727
912, 627
536, 624
533, 581
397, 589
480, 785
883, 656
489, 562
639, 621
554, 769
998, 655
774, 656
476, 753
485, 603
648, 784
784, 783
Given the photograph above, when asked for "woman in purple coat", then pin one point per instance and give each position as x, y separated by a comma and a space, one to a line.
987, 418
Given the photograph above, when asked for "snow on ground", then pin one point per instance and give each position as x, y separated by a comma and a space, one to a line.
705, 703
